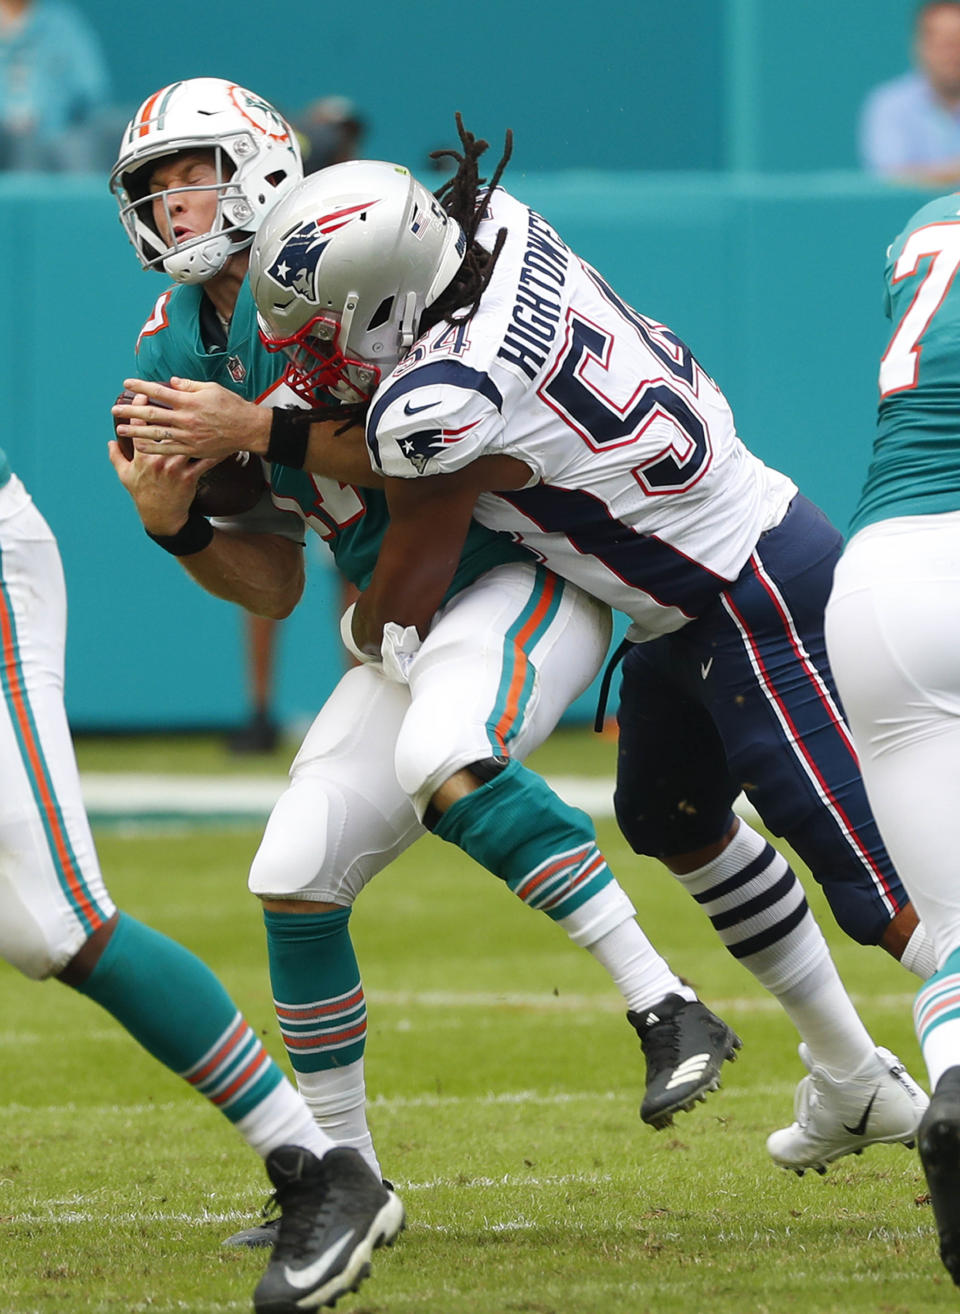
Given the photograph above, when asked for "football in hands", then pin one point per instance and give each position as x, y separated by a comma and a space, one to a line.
229, 488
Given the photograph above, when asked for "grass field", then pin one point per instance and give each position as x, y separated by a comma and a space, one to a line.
504, 1084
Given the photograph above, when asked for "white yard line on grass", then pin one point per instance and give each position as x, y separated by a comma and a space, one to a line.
453, 999
398, 1103
113, 795
490, 999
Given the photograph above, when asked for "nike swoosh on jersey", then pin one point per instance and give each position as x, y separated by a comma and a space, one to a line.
705, 668
306, 1277
861, 1128
415, 410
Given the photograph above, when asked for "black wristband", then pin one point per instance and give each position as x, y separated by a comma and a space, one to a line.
193, 537
289, 434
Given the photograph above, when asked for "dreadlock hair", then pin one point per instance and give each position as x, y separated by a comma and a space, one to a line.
459, 301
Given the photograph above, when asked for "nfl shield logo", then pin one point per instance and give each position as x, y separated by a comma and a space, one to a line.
237, 369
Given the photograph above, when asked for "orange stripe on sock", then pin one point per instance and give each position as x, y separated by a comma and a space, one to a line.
318, 1042
532, 882
307, 1012
244, 1077
41, 780
929, 1011
568, 889
236, 1034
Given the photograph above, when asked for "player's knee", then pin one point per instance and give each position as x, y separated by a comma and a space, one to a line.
423, 765
657, 830
293, 854
858, 912
25, 945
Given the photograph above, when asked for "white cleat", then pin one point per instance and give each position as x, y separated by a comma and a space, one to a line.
879, 1104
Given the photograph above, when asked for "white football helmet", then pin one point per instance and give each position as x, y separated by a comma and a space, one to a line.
343, 269
256, 156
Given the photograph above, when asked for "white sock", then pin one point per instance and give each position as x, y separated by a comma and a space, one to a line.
282, 1119
822, 1011
337, 1099
759, 910
919, 956
635, 967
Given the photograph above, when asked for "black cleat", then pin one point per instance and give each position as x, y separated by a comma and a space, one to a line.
939, 1143
265, 1234
685, 1046
256, 1238
333, 1214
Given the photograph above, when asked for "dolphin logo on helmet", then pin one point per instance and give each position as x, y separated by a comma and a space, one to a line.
257, 161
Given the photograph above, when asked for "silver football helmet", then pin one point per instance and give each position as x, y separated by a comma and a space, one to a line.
256, 157
343, 269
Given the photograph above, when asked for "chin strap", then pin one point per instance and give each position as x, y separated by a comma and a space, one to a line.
408, 322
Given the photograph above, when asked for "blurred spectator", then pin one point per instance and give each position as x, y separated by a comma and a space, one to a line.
53, 87
910, 126
330, 131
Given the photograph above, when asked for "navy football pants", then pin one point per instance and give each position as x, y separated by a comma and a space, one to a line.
743, 698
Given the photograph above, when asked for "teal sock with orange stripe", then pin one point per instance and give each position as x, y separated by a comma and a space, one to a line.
936, 1017
517, 827
320, 1005
317, 990
179, 1012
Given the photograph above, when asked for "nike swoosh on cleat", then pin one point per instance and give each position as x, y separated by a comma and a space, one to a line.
415, 410
861, 1127
306, 1277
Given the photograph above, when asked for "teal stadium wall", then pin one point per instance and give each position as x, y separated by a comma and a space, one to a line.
703, 161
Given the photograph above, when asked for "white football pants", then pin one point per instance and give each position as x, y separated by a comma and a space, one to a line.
501, 663
893, 638
52, 895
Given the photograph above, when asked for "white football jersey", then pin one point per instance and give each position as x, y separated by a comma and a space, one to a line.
641, 491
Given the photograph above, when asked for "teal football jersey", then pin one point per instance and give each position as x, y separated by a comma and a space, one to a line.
915, 469
351, 520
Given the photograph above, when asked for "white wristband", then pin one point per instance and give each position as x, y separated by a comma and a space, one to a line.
346, 634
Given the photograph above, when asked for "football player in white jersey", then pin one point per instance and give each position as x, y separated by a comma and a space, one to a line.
893, 634
515, 644
505, 379
58, 920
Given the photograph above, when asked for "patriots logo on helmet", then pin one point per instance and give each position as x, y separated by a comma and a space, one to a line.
296, 265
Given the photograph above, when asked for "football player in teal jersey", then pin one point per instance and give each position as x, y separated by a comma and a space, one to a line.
893, 633
57, 920
377, 324
512, 646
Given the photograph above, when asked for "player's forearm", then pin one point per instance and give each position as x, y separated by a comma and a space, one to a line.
407, 587
401, 601
342, 456
261, 572
333, 448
